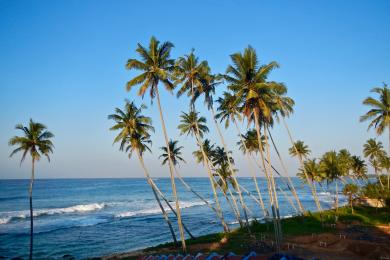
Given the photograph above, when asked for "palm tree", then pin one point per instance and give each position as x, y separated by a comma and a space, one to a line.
248, 80
157, 67
312, 169
385, 165
134, 136
330, 166
379, 114
176, 158
302, 151
208, 90
35, 141
358, 168
350, 190
191, 124
373, 150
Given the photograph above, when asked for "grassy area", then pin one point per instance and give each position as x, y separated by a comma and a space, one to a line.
239, 241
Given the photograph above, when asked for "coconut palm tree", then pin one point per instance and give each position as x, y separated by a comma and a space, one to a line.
330, 166
358, 168
208, 149
385, 165
350, 190
379, 114
373, 151
36, 142
302, 151
208, 90
248, 80
192, 124
157, 67
134, 136
176, 159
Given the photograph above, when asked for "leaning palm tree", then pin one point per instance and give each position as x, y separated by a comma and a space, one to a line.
379, 114
36, 142
134, 136
176, 159
208, 90
373, 151
192, 124
248, 80
358, 168
157, 67
300, 149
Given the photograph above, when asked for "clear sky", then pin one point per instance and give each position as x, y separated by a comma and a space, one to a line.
62, 63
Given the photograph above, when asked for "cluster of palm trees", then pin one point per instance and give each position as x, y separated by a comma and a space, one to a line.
249, 96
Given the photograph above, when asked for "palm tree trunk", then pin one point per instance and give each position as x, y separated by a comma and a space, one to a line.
293, 191
31, 209
273, 184
251, 169
169, 206
270, 191
337, 197
233, 174
315, 197
156, 196
189, 188
179, 220
379, 178
289, 200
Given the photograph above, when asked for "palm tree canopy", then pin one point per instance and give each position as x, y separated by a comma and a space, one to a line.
312, 169
35, 141
189, 72
283, 104
220, 157
228, 108
330, 166
210, 82
250, 142
358, 167
301, 149
208, 149
134, 128
372, 149
379, 114
249, 81
175, 153
350, 189
188, 122
345, 161
155, 65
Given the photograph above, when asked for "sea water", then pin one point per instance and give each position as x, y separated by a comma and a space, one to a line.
96, 217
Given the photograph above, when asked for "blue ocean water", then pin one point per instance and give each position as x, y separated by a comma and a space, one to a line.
96, 217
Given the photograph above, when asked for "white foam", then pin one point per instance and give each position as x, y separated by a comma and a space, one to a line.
6, 217
157, 210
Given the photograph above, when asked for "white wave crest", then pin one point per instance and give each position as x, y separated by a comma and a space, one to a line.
157, 210
6, 217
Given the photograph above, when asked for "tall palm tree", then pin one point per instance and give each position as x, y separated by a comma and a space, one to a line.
373, 151
248, 80
191, 124
134, 136
379, 114
157, 67
350, 190
208, 90
36, 142
176, 159
385, 165
302, 151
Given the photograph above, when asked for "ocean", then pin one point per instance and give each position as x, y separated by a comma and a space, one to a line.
96, 217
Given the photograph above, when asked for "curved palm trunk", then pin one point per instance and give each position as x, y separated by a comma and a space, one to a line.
379, 178
233, 174
270, 190
265, 212
254, 198
179, 220
273, 185
293, 191
149, 180
315, 197
337, 197
31, 209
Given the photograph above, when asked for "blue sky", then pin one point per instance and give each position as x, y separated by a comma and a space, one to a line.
62, 63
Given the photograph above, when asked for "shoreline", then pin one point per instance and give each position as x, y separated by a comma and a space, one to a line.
303, 240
